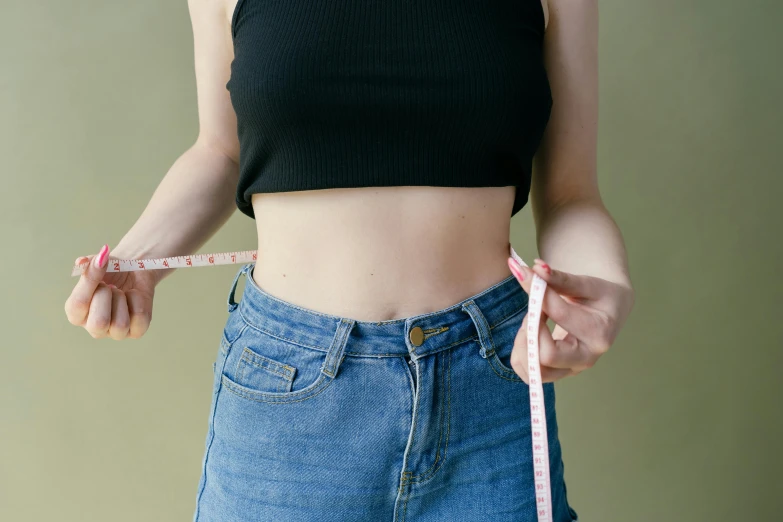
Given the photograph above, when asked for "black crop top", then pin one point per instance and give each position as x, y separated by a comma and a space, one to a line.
359, 93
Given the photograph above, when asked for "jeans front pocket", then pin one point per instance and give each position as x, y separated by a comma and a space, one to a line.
266, 368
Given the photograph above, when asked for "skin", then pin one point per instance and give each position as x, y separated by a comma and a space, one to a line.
363, 252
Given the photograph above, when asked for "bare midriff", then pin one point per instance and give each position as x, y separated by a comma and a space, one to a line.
382, 253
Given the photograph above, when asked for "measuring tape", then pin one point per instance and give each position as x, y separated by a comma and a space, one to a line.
159, 263
543, 488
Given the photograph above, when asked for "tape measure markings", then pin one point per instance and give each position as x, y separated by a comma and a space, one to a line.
543, 488
161, 263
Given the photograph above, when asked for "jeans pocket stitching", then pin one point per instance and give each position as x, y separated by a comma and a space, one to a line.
297, 396
266, 363
224, 344
500, 369
250, 358
498, 366
508, 317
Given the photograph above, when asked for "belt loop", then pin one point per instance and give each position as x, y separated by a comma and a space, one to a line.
232, 305
484, 334
335, 355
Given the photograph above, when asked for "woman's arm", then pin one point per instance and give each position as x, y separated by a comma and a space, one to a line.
196, 196
589, 293
575, 232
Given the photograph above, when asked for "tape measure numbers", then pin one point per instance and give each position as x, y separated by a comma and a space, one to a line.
160, 263
543, 489
540, 438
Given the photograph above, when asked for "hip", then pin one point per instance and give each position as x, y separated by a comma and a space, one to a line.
321, 417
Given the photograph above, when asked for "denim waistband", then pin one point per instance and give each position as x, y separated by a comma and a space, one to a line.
469, 319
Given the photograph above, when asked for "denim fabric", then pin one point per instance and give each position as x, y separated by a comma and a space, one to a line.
321, 418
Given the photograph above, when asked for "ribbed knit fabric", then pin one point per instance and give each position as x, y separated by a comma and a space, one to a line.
359, 93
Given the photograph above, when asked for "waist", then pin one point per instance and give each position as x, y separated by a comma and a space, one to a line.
381, 253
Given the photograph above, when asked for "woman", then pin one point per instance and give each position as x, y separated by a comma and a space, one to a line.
375, 367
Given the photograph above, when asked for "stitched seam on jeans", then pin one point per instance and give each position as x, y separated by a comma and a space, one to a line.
425, 476
320, 385
510, 375
476, 336
374, 355
431, 332
440, 435
338, 344
438, 459
408, 372
449, 346
284, 383
224, 344
281, 338
405, 504
498, 364
413, 430
297, 343
265, 363
240, 371
211, 432
238, 335
407, 496
510, 315
492, 363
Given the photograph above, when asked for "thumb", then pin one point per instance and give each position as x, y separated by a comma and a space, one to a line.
523, 274
95, 268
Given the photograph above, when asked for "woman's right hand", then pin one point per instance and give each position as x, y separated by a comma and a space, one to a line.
114, 304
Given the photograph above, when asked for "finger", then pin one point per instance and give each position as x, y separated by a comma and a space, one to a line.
524, 276
555, 374
548, 354
523, 366
579, 319
572, 285
562, 350
120, 318
519, 272
77, 306
99, 317
519, 357
567, 353
582, 356
140, 313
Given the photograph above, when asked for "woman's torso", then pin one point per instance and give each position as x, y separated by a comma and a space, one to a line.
380, 253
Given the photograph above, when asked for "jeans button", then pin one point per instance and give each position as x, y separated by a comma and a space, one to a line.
416, 336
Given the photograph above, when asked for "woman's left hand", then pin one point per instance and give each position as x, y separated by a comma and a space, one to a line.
588, 312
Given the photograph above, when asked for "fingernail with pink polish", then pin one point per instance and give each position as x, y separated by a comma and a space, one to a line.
101, 258
516, 270
543, 265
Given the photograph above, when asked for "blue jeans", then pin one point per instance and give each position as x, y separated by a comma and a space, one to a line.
321, 418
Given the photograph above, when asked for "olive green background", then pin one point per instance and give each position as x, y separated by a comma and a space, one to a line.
680, 421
